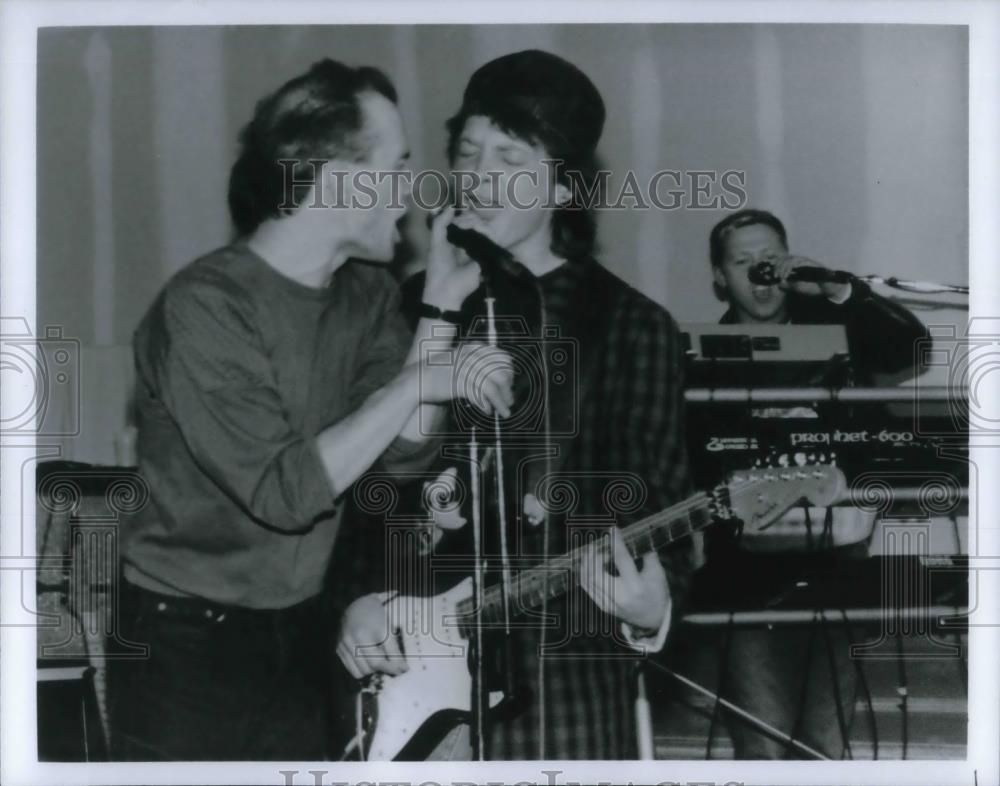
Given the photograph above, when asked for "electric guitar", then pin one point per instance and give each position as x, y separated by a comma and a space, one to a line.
398, 713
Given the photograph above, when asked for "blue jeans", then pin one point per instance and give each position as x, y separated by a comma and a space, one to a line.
220, 682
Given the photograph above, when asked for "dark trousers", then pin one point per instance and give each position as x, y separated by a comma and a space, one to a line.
219, 682
794, 679
799, 679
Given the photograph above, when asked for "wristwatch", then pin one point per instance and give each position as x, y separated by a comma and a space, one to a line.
433, 312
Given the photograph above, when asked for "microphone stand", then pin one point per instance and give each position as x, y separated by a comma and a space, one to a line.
489, 256
922, 287
505, 574
763, 273
478, 720
480, 688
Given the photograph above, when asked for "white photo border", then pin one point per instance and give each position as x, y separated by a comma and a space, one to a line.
19, 23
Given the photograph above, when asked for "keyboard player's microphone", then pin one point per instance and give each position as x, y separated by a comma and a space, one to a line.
764, 274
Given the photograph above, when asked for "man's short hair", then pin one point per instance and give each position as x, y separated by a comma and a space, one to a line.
743, 218
314, 117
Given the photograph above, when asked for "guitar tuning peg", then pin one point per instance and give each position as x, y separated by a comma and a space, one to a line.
800, 459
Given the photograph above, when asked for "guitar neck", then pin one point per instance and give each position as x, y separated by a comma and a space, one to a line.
554, 578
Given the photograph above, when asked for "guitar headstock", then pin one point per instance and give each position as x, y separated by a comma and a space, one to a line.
760, 495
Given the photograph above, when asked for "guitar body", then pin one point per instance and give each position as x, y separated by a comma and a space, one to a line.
412, 710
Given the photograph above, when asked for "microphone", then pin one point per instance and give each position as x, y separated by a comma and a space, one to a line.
491, 257
763, 274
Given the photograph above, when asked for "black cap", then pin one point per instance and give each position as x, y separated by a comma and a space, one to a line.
539, 94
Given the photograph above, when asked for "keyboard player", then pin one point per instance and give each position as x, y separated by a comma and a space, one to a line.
782, 675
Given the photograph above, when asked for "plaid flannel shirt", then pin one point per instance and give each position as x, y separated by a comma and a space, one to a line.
625, 457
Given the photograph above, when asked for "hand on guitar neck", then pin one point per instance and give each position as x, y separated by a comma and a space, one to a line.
638, 596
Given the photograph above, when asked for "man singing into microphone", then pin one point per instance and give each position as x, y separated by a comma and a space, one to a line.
881, 334
527, 132
800, 681
272, 373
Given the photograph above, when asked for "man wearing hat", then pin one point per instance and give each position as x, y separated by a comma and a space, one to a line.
524, 139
